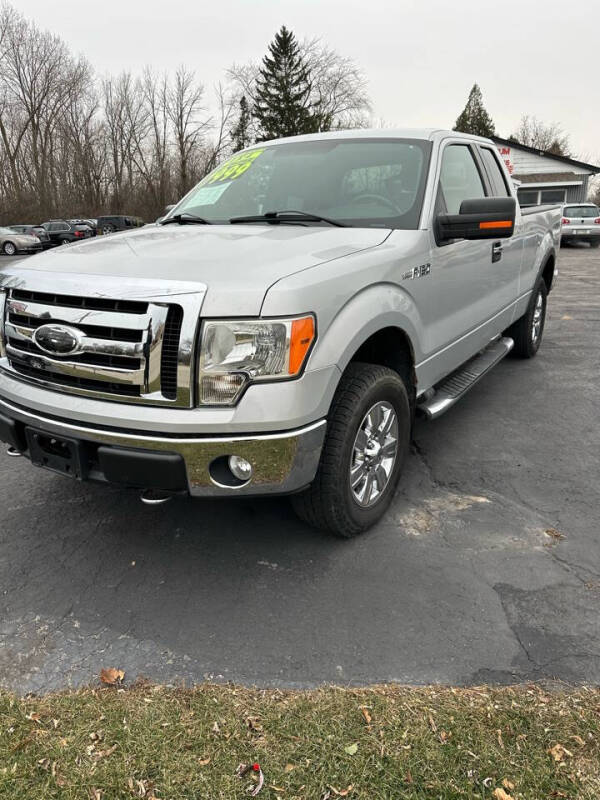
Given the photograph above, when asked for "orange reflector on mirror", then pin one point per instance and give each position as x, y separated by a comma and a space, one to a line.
505, 223
303, 333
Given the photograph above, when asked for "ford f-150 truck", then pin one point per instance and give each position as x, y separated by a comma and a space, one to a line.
280, 328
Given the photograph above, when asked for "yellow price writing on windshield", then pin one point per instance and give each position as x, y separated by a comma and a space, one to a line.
233, 167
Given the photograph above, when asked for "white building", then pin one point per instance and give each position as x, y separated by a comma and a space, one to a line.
545, 178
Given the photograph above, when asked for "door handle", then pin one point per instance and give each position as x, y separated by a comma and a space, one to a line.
496, 252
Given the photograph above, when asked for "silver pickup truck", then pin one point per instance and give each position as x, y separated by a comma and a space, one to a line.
278, 331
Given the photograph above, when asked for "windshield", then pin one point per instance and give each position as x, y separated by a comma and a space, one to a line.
360, 182
581, 211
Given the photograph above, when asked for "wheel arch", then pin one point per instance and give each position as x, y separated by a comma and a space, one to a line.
547, 270
389, 347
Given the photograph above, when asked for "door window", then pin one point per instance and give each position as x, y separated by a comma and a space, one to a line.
459, 178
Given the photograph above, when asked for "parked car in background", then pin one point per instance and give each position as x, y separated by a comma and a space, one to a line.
91, 223
581, 223
12, 242
62, 232
33, 230
117, 222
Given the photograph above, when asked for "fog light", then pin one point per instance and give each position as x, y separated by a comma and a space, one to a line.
241, 468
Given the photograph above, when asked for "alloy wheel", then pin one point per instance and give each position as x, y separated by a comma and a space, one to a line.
538, 315
374, 454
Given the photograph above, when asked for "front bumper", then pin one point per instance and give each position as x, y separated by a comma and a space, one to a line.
282, 463
30, 248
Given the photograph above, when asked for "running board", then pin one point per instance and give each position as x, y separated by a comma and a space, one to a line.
459, 383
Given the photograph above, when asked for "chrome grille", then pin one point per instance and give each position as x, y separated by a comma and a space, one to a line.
128, 349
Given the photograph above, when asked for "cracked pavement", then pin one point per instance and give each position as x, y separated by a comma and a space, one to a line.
459, 584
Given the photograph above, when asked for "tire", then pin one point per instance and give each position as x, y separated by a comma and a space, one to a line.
9, 249
106, 229
594, 245
527, 338
65, 241
331, 503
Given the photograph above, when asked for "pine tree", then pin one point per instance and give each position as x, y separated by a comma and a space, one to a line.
240, 135
282, 104
474, 118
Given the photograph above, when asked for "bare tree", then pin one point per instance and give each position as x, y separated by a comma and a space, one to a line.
339, 87
221, 126
547, 137
184, 107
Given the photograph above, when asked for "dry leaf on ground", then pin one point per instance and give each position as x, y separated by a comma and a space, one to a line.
342, 792
500, 794
559, 751
111, 676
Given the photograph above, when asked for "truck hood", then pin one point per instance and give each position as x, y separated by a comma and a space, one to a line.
237, 263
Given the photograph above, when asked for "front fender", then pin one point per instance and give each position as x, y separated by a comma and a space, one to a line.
382, 305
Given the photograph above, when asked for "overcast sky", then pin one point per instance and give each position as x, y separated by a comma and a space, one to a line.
421, 57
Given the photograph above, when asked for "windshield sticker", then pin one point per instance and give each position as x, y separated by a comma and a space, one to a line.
233, 167
208, 195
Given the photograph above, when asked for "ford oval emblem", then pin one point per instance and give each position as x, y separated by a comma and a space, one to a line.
58, 340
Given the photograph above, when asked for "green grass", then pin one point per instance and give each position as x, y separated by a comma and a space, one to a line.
384, 742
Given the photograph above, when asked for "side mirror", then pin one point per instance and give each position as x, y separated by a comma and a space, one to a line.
485, 218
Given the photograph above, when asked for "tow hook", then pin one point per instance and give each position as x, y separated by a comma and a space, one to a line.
13, 452
154, 497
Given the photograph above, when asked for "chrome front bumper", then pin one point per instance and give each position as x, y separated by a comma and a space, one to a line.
282, 463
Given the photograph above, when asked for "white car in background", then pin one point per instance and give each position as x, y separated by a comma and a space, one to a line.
581, 222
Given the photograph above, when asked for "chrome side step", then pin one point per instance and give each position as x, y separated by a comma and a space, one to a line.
459, 383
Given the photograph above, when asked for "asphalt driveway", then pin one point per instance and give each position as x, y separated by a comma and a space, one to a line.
459, 584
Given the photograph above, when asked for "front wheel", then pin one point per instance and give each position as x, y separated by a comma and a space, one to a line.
9, 249
367, 440
527, 332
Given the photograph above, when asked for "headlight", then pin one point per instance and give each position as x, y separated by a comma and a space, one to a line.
234, 353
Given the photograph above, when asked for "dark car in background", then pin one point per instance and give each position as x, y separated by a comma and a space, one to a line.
33, 230
117, 222
91, 223
62, 232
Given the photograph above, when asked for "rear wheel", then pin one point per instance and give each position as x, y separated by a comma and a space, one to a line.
9, 249
368, 436
106, 229
527, 332
595, 244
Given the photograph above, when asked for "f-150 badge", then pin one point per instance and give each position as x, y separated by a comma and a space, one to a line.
417, 272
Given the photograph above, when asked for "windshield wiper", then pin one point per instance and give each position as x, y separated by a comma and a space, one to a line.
185, 219
277, 217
